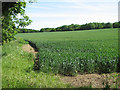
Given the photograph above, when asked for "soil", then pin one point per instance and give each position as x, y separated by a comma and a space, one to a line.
96, 80
29, 49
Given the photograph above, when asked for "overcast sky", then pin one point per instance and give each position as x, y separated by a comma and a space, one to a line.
54, 13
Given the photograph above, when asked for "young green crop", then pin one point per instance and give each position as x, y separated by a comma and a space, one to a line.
93, 51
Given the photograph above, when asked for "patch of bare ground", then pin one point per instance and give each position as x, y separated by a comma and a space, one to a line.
29, 49
95, 80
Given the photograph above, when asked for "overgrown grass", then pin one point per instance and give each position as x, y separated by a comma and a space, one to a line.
17, 70
93, 51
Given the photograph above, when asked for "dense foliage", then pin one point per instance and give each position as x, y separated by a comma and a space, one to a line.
87, 26
69, 53
27, 31
10, 22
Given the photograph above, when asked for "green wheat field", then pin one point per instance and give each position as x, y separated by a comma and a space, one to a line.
69, 53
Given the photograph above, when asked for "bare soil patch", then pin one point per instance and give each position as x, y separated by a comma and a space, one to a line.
29, 49
96, 80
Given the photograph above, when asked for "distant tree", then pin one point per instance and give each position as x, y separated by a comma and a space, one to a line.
90, 26
64, 28
103, 25
77, 27
27, 30
119, 24
71, 27
41, 30
108, 25
58, 29
96, 25
83, 27
53, 29
100, 25
115, 25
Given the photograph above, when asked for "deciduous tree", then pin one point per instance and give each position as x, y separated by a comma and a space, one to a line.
10, 21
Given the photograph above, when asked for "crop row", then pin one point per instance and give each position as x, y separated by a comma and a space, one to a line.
71, 57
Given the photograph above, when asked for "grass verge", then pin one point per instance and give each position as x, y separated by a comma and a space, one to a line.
17, 70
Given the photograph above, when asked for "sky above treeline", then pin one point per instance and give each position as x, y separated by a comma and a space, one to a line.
55, 13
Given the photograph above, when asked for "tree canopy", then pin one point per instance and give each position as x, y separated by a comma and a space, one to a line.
10, 21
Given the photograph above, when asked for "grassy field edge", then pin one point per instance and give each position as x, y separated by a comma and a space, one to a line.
18, 69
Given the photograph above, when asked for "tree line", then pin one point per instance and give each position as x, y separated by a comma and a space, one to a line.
87, 26
27, 30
